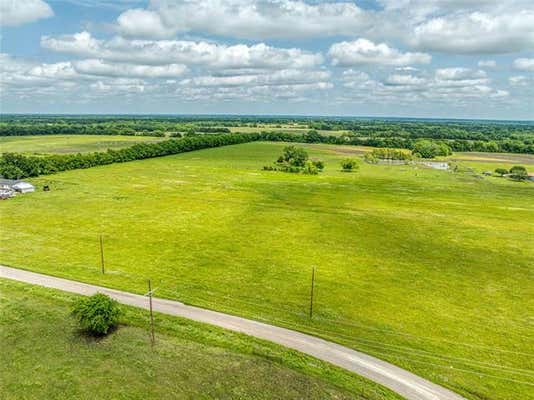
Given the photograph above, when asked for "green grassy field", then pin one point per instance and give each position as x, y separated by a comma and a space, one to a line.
68, 143
45, 356
427, 269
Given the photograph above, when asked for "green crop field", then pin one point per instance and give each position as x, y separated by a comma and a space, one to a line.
430, 270
45, 356
44, 144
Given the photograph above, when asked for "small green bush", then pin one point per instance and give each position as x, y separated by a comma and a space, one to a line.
349, 165
310, 168
97, 314
319, 164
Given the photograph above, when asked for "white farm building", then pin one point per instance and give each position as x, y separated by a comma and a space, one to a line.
23, 187
8, 187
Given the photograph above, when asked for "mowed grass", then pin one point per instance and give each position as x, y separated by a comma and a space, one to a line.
427, 269
46, 144
45, 356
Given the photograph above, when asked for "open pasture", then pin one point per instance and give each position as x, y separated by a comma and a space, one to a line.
46, 144
427, 269
44, 355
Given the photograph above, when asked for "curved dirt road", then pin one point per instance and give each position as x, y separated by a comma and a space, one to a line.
411, 386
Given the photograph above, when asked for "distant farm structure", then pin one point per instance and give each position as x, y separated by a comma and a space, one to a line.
9, 188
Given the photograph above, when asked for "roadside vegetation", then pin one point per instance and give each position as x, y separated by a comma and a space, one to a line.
45, 356
427, 269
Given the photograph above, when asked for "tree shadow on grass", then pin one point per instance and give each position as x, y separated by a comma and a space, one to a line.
92, 338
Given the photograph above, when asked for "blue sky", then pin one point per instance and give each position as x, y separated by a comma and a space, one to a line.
413, 58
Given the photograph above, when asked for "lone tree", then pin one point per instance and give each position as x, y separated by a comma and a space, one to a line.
349, 165
518, 173
501, 171
97, 314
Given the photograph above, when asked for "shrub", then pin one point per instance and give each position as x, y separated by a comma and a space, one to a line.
349, 165
319, 164
310, 168
501, 171
97, 314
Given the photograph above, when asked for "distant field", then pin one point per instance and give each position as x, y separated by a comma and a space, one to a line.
427, 269
44, 356
492, 158
68, 143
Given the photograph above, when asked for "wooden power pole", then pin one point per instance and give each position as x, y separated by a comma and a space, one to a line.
152, 336
102, 264
311, 292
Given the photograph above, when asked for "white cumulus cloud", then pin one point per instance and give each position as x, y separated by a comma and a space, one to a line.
476, 32
19, 12
250, 19
160, 52
102, 68
524, 64
363, 51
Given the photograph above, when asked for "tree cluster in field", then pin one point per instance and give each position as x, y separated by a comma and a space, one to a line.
430, 149
385, 154
517, 172
17, 166
296, 160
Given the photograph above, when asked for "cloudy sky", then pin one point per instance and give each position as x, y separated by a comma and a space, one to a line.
417, 58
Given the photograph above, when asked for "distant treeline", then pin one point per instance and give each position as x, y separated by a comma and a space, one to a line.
123, 128
17, 166
482, 131
14, 129
493, 146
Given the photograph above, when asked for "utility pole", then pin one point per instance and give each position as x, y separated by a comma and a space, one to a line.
102, 254
311, 293
150, 291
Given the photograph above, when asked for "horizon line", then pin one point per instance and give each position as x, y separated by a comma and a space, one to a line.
303, 116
